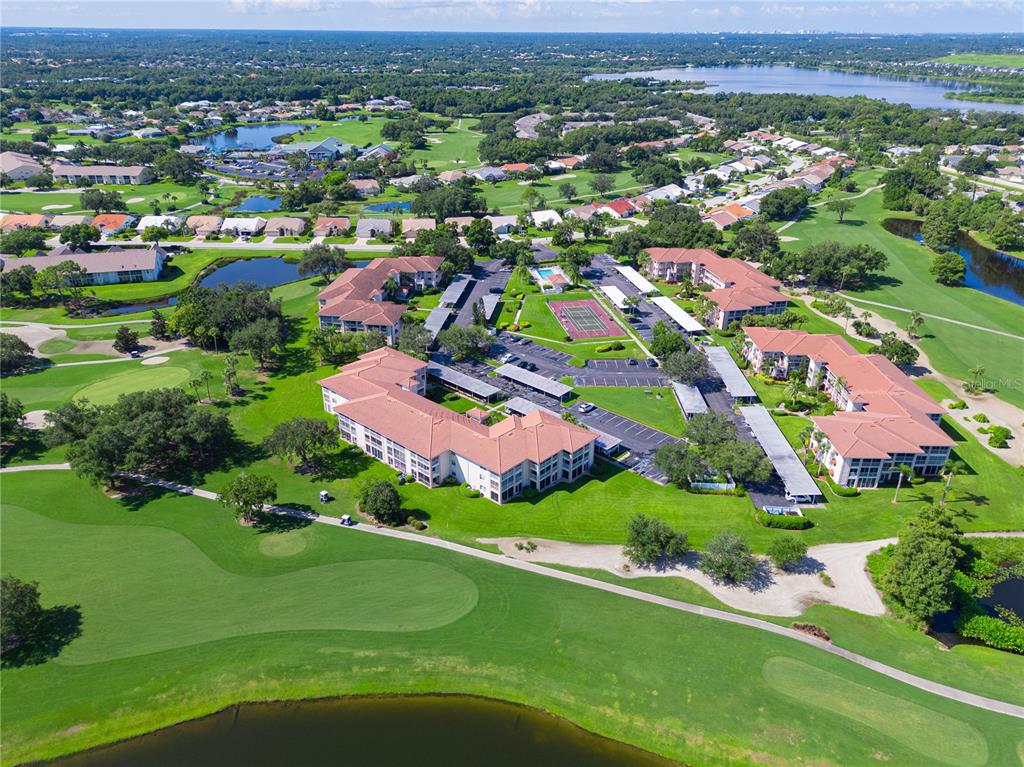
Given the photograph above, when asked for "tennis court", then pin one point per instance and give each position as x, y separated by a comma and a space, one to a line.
584, 319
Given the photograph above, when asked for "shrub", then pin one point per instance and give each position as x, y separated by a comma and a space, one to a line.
846, 492
826, 579
786, 552
782, 522
567, 338
991, 631
998, 436
649, 538
980, 417
618, 346
957, 405
524, 324
727, 557
415, 523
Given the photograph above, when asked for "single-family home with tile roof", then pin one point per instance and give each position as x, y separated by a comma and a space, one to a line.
285, 226
365, 187
14, 221
330, 226
368, 228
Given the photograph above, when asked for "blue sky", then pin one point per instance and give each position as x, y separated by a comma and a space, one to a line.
970, 16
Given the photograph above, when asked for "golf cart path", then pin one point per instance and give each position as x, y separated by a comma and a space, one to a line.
857, 299
942, 690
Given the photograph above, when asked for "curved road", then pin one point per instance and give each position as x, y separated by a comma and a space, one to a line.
942, 690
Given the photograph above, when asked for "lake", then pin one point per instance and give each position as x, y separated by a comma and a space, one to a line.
990, 271
917, 92
258, 203
388, 207
419, 731
247, 136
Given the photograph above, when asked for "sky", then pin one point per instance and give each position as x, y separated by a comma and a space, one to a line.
871, 16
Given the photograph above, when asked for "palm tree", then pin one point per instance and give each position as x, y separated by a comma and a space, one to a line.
195, 384
916, 320
792, 390
846, 271
974, 386
805, 436
903, 471
205, 377
952, 467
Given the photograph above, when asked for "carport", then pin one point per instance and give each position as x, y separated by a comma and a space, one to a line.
534, 381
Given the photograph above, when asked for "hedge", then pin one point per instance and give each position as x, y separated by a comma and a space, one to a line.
992, 632
781, 521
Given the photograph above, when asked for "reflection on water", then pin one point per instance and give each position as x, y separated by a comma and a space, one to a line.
990, 271
248, 136
418, 731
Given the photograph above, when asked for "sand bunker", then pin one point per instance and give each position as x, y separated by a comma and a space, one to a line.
56, 207
155, 360
34, 419
130, 200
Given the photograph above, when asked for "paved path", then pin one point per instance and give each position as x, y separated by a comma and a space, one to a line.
73, 327
942, 690
858, 300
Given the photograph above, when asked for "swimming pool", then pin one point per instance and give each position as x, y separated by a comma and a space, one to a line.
546, 273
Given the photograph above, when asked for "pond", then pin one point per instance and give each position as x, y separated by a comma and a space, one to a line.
917, 92
388, 207
990, 271
248, 136
425, 731
264, 272
1008, 594
258, 203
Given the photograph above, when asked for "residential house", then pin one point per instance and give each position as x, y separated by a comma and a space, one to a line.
108, 267
738, 289
359, 298
204, 225
247, 226
413, 226
620, 208
112, 223
102, 174
170, 223
365, 187
147, 133
331, 226
882, 421
368, 228
488, 173
378, 152
14, 221
727, 215
415, 181
518, 168
584, 212
450, 176
503, 224
380, 407
460, 223
323, 150
18, 167
563, 164
545, 218
285, 226
62, 220
667, 193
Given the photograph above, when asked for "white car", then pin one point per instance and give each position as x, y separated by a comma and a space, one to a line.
585, 407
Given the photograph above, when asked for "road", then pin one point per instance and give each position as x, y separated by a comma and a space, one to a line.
942, 690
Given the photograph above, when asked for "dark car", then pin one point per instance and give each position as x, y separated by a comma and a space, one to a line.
632, 362
497, 289
651, 362
524, 364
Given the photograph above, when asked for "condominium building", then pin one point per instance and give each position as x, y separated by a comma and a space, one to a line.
882, 421
360, 298
738, 289
380, 407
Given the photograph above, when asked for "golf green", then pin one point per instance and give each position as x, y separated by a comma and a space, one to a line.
107, 390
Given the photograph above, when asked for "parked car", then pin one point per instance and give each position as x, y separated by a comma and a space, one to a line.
632, 362
585, 407
651, 362
497, 289
507, 358
135, 354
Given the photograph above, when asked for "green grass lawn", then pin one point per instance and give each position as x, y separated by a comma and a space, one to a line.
137, 197
166, 586
507, 195
359, 132
952, 349
659, 409
455, 147
985, 59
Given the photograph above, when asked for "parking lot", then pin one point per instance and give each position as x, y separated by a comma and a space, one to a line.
635, 436
485, 276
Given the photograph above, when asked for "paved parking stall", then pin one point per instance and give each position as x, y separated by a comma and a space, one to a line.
638, 380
